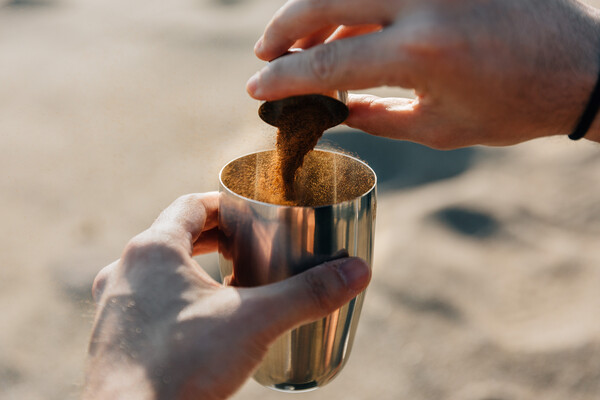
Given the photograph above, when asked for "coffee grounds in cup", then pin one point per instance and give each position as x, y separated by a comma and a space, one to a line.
325, 178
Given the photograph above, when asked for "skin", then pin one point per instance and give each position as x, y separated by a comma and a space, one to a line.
492, 72
165, 330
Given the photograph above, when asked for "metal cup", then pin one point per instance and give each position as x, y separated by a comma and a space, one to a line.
262, 243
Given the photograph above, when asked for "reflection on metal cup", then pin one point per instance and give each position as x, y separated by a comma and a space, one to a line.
263, 243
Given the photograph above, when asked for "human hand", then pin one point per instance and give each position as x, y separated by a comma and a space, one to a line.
494, 72
165, 330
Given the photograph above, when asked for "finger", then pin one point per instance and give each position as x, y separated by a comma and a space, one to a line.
310, 295
406, 119
101, 280
316, 38
344, 32
207, 243
394, 118
355, 63
301, 18
187, 217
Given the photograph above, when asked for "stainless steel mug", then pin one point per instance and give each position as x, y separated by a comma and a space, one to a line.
262, 243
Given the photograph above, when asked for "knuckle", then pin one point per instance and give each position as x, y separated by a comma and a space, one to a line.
431, 41
186, 199
323, 63
425, 51
101, 281
99, 285
138, 245
319, 292
150, 247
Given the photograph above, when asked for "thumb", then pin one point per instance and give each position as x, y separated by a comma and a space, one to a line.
313, 294
412, 120
395, 118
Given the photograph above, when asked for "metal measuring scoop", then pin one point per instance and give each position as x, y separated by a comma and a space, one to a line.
331, 106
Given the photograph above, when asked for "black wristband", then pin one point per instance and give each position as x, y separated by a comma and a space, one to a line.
588, 116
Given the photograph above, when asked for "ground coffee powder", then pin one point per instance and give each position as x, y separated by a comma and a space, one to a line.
301, 121
325, 178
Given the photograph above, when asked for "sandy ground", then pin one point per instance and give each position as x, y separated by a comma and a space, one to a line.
486, 278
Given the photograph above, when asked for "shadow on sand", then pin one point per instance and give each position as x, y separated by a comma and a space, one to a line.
400, 164
27, 4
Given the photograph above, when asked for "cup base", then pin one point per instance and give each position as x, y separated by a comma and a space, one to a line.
295, 387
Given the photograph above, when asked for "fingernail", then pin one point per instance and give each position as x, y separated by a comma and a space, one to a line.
355, 272
252, 86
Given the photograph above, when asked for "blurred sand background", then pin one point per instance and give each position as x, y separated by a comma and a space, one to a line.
486, 280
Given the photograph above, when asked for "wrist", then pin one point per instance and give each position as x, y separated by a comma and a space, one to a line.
594, 133
591, 80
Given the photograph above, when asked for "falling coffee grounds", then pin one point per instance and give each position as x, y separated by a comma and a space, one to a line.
301, 121
293, 174
298, 133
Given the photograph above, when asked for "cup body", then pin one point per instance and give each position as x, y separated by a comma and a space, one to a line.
263, 243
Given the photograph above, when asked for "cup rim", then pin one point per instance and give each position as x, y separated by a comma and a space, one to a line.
365, 193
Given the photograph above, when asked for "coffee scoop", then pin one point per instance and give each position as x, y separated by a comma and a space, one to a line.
330, 107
